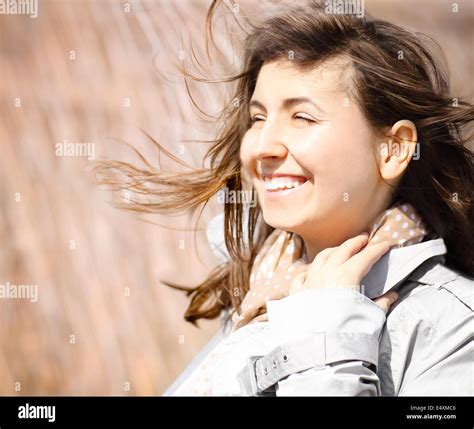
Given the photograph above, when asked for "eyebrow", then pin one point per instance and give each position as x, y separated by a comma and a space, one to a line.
288, 103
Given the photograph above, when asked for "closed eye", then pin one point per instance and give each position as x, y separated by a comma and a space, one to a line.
299, 116
255, 119
304, 118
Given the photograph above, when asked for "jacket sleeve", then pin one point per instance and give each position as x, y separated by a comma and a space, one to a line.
328, 342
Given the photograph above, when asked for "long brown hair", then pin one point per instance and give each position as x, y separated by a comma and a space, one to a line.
395, 77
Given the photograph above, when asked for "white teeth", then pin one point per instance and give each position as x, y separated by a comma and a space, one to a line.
282, 183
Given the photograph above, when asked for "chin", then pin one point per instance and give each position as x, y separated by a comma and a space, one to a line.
285, 222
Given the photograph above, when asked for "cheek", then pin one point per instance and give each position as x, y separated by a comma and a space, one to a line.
337, 157
246, 157
320, 151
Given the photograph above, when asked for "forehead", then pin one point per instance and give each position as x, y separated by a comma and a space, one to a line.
283, 77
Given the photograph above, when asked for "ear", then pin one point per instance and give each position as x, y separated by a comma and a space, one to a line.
396, 150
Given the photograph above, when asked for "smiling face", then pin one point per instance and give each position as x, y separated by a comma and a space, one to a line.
310, 155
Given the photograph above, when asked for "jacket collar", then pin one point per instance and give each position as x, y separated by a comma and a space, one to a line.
396, 265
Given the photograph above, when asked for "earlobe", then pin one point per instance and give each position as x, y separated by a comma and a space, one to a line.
397, 150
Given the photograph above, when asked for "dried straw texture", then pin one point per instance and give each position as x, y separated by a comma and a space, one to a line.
59, 232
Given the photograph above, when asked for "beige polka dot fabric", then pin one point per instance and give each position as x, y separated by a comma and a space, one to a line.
281, 258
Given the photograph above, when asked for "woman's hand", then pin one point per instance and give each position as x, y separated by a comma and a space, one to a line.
345, 265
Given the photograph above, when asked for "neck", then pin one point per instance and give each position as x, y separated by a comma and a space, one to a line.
310, 251
334, 235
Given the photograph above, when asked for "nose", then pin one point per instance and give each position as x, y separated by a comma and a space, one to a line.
271, 144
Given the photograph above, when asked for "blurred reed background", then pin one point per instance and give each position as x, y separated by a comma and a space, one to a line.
98, 72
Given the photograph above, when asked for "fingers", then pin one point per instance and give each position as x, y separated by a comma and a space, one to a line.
387, 300
297, 282
348, 249
322, 256
320, 259
363, 262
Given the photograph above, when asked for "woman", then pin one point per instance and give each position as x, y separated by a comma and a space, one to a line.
353, 273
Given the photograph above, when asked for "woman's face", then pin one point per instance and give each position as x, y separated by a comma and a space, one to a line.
310, 155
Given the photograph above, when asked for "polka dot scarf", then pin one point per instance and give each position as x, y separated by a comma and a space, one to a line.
281, 258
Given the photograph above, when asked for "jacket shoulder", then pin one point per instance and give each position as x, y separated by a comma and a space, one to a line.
434, 281
434, 296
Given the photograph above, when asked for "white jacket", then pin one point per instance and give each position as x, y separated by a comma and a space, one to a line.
338, 342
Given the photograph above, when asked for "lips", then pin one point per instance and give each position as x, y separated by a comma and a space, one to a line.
264, 175
283, 182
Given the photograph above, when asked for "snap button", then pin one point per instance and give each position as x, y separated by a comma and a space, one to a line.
265, 371
275, 364
285, 358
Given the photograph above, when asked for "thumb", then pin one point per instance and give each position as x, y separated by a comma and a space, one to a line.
387, 300
392, 296
297, 282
